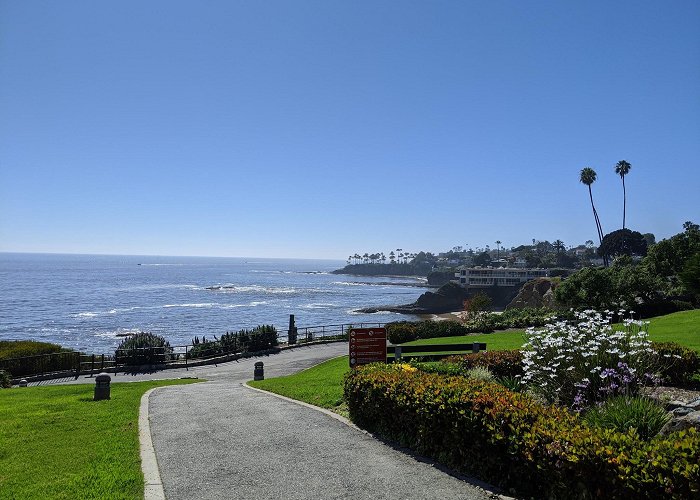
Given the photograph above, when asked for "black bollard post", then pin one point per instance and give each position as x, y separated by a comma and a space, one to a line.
102, 389
292, 332
259, 371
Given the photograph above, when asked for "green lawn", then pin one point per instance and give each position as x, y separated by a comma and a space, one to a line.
321, 385
681, 327
497, 341
56, 442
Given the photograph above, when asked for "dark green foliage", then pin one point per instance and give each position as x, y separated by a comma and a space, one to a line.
690, 276
483, 259
439, 367
143, 348
260, 338
661, 308
22, 348
623, 242
668, 258
401, 331
500, 363
405, 331
623, 413
511, 440
28, 357
608, 288
5, 380
511, 383
675, 363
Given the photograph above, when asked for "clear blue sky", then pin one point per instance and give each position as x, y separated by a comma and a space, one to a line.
323, 128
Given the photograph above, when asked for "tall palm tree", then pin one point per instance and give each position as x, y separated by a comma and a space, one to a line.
622, 169
588, 177
558, 246
498, 248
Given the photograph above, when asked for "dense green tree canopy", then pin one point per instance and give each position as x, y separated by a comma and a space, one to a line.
623, 242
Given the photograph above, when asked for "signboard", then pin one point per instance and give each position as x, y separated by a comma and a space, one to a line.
367, 345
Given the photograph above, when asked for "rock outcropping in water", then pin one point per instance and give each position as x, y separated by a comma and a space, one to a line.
449, 298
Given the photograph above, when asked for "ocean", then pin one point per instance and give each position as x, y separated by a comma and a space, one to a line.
88, 302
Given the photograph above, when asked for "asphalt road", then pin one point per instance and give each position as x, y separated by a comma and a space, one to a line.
219, 440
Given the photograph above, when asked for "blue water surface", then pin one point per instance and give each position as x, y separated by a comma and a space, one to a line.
88, 302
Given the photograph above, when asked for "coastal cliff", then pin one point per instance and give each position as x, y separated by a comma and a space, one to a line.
449, 298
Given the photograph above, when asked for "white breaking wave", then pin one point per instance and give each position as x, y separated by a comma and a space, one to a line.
204, 304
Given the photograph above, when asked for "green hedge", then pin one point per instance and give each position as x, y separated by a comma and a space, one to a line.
510, 440
22, 348
29, 357
5, 380
406, 331
500, 363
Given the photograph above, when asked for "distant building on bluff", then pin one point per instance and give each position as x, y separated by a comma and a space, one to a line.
483, 277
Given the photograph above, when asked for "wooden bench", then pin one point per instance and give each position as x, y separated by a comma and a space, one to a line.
435, 351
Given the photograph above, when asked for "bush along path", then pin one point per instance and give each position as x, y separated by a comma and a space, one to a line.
513, 441
582, 429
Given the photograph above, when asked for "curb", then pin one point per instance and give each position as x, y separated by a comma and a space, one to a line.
153, 486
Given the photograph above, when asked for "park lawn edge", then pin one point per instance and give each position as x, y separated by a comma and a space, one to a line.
56, 442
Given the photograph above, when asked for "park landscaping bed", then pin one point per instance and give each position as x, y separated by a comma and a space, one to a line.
531, 443
56, 442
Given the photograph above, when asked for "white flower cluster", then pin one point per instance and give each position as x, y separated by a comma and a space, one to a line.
569, 360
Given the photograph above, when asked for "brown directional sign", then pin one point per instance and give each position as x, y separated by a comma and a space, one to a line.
367, 345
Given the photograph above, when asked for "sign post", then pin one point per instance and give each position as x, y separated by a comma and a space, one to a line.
367, 345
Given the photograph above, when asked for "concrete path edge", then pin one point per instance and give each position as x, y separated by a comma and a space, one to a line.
153, 486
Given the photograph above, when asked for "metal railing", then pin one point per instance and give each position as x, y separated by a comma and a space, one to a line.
77, 363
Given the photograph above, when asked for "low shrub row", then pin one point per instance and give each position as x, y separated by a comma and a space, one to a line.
510, 440
143, 348
260, 338
23, 348
500, 363
5, 380
406, 331
29, 357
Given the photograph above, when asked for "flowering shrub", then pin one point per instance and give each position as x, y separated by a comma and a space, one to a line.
509, 439
500, 363
576, 364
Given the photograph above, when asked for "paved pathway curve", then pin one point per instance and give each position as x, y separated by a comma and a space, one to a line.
223, 440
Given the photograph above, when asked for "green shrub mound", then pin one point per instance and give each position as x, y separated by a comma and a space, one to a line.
509, 439
34, 357
143, 349
22, 348
500, 363
623, 413
5, 380
260, 338
675, 363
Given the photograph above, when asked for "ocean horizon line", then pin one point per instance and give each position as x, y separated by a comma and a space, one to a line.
80, 254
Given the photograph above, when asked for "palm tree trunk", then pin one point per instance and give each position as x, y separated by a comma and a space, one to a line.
624, 202
595, 216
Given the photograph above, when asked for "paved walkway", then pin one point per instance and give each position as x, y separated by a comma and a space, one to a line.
220, 439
